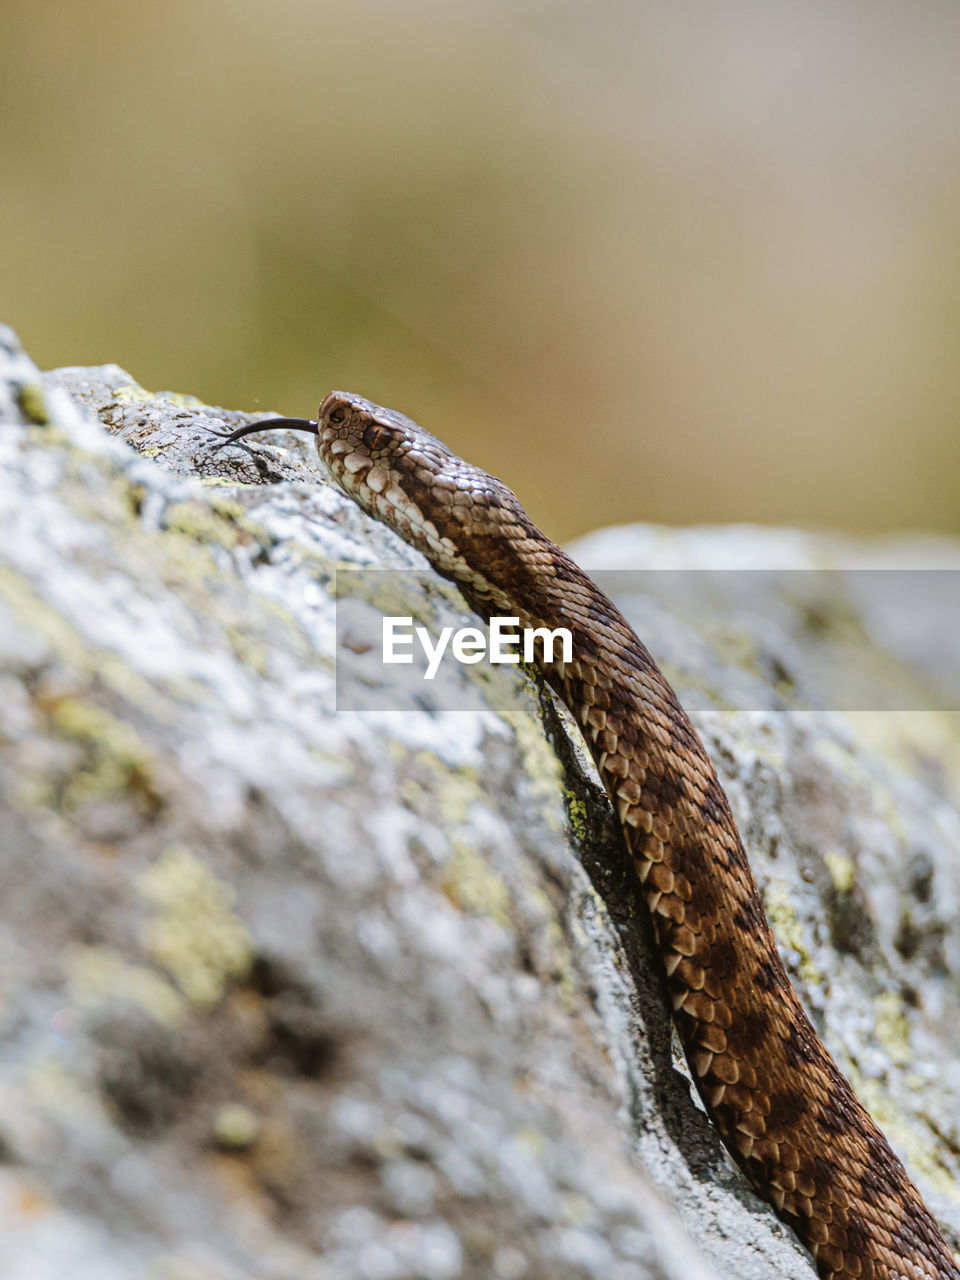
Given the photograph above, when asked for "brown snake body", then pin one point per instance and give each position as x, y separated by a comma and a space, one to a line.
785, 1112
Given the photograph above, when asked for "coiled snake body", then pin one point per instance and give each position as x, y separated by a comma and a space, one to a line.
786, 1114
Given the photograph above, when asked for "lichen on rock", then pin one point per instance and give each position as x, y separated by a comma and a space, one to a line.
293, 992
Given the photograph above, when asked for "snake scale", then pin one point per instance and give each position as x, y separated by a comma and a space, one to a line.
784, 1111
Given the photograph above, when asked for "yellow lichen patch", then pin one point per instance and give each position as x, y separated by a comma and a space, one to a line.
235, 513
197, 521
415, 797
235, 1127
391, 592
577, 1209
787, 929
132, 393
541, 763
253, 637
195, 934
450, 793
576, 813
32, 403
470, 884
892, 1028
179, 399
115, 758
842, 870
187, 561
336, 766
531, 1138
250, 650
97, 974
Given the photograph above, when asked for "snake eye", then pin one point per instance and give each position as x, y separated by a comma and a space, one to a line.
376, 436
336, 416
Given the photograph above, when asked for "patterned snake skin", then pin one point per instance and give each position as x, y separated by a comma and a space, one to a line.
785, 1113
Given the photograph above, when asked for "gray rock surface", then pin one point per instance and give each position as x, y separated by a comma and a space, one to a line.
365, 996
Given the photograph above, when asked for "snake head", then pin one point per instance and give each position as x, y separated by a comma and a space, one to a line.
380, 458
456, 514
408, 479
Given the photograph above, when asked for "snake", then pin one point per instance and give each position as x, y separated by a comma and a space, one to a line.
783, 1109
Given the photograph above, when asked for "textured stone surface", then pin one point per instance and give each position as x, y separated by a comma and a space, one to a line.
287, 993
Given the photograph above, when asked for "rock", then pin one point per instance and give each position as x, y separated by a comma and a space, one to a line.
288, 992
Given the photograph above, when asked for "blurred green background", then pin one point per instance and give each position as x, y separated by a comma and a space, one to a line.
677, 261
